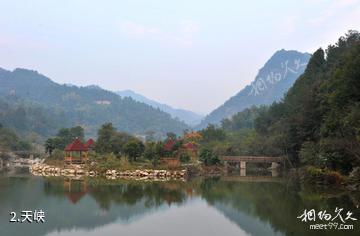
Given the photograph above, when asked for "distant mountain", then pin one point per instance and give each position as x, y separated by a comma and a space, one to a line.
87, 106
271, 83
189, 117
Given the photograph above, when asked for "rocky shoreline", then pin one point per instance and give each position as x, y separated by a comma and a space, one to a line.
80, 171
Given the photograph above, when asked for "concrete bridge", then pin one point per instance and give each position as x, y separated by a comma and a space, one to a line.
240, 161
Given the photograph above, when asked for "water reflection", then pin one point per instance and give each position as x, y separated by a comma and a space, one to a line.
214, 206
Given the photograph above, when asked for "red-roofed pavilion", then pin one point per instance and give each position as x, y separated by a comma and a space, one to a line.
169, 144
90, 144
76, 152
190, 146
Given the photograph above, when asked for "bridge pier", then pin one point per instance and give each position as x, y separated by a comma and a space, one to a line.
242, 172
274, 173
274, 169
274, 165
242, 164
242, 168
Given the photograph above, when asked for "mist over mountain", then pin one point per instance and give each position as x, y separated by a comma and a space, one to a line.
88, 106
189, 117
271, 83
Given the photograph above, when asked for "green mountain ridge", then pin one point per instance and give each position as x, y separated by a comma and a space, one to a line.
88, 106
271, 83
189, 117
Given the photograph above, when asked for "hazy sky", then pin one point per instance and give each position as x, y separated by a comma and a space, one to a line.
192, 54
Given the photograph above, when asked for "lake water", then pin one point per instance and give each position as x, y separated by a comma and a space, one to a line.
214, 206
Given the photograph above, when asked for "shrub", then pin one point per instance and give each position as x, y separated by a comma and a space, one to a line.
208, 157
316, 175
184, 157
109, 161
57, 155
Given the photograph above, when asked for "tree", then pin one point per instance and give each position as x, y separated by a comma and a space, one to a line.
211, 133
77, 132
133, 149
118, 142
151, 153
63, 138
10, 141
208, 157
159, 147
105, 135
184, 157
171, 135
49, 146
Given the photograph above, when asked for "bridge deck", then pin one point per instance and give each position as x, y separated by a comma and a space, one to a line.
251, 159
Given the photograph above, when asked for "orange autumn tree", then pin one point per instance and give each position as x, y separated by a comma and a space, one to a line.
191, 142
194, 137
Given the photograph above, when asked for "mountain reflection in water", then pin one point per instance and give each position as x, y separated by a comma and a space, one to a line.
214, 206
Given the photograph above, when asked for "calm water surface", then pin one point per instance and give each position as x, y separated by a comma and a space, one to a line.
214, 206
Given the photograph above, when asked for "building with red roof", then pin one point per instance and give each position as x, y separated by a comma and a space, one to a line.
169, 145
76, 152
90, 144
190, 147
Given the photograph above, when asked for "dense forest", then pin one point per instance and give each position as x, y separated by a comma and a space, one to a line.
318, 121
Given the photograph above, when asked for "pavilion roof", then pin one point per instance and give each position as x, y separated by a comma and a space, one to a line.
169, 144
189, 145
89, 143
76, 146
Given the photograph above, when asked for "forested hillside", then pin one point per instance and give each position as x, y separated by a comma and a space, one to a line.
67, 105
30, 120
271, 83
318, 121
10, 141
